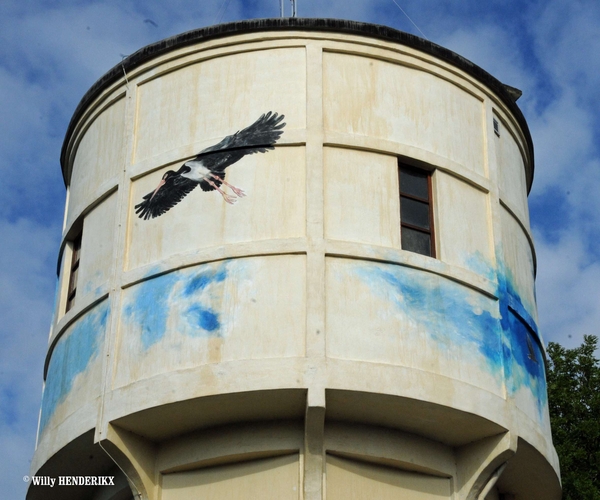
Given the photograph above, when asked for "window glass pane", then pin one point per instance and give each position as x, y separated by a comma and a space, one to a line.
73, 280
414, 212
74, 272
416, 241
75, 261
76, 248
415, 183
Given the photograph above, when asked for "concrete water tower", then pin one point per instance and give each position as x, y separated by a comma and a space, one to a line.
360, 324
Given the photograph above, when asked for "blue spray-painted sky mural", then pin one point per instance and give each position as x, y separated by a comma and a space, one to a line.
72, 356
450, 313
523, 358
454, 316
190, 296
477, 263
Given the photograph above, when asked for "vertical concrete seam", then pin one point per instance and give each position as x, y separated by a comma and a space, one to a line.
493, 203
315, 277
118, 262
315, 265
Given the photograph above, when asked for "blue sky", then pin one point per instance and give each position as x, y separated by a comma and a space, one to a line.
52, 51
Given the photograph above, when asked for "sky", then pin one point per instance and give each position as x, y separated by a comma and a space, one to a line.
52, 51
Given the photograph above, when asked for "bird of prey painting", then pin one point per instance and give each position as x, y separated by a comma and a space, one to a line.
207, 169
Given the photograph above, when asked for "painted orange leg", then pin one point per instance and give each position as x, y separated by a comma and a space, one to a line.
227, 197
239, 192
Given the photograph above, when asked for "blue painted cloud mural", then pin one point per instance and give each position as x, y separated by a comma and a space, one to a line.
523, 357
185, 302
72, 356
500, 336
206, 314
450, 314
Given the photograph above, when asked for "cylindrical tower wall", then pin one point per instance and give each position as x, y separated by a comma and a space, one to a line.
304, 304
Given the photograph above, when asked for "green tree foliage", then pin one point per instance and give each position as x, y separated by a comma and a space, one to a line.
574, 400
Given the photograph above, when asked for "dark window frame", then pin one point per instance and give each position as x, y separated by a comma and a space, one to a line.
429, 201
73, 271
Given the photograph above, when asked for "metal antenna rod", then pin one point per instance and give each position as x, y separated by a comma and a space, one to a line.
293, 8
280, 8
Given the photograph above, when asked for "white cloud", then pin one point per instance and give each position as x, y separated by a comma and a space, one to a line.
566, 133
27, 256
564, 141
30, 175
79, 41
569, 306
495, 50
567, 42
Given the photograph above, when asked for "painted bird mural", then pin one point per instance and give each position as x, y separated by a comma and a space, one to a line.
207, 169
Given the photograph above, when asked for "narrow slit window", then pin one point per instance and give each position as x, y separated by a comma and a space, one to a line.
496, 127
416, 213
74, 271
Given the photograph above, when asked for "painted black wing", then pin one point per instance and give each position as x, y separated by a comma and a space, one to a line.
168, 195
259, 137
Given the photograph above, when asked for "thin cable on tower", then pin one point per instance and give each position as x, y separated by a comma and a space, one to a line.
397, 5
125, 72
219, 17
131, 483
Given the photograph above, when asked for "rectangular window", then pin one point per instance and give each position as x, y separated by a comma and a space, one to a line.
74, 271
416, 214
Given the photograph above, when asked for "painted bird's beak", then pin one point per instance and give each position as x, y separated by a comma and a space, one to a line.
160, 184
